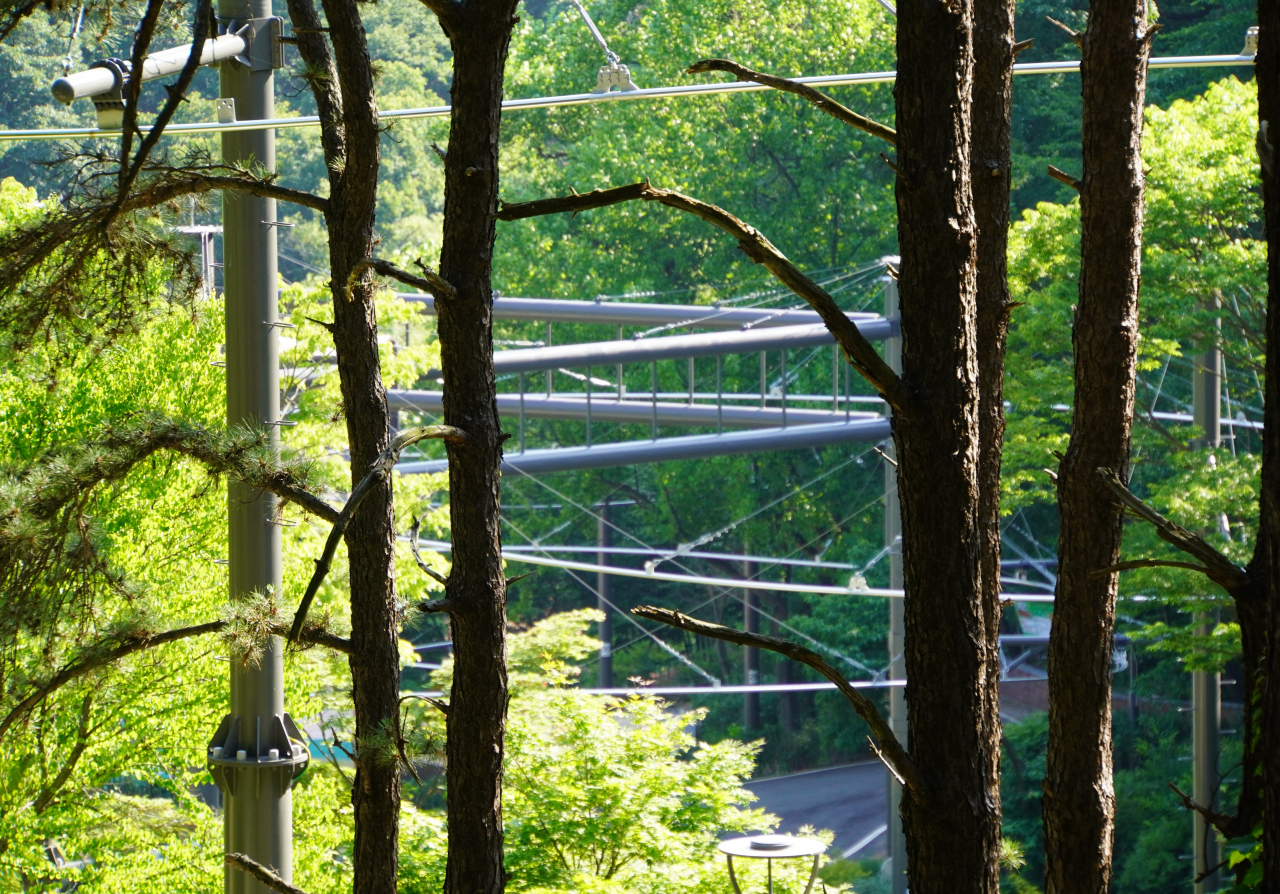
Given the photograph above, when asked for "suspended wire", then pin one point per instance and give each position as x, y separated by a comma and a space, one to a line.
716, 535
728, 591
667, 647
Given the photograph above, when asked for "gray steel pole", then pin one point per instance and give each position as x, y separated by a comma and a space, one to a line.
897, 622
604, 537
1205, 687
750, 656
257, 812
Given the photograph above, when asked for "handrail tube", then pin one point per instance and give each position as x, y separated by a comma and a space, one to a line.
675, 347
623, 313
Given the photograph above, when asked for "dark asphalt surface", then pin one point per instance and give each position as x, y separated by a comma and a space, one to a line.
852, 801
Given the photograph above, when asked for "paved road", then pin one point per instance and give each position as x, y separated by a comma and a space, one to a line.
851, 801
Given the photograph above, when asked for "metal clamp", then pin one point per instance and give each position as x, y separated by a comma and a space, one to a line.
264, 47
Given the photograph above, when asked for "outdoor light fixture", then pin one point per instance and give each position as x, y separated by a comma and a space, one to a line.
770, 848
254, 43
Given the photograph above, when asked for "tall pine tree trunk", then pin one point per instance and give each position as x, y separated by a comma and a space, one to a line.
1079, 801
993, 38
480, 33
953, 827
1268, 75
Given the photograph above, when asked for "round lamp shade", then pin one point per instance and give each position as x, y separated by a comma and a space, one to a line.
773, 847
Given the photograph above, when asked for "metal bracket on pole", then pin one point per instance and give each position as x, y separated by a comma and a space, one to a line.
235, 754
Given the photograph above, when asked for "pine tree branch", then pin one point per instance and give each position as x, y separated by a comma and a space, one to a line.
106, 653
894, 754
857, 349
380, 469
1217, 567
821, 100
124, 647
264, 875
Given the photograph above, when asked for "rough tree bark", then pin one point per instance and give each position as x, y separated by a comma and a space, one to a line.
1268, 549
990, 167
1079, 801
479, 32
341, 77
953, 834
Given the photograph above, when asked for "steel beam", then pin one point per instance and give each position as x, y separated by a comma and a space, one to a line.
627, 453
626, 313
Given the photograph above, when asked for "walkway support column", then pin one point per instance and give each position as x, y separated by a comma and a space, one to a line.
604, 538
1206, 699
750, 656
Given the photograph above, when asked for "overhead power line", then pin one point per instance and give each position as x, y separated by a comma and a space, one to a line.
546, 102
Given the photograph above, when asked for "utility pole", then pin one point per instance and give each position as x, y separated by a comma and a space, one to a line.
1206, 693
897, 623
257, 751
604, 537
750, 655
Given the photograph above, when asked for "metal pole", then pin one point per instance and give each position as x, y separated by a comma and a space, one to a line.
653, 395
719, 394
897, 624
762, 379
588, 406
604, 537
258, 805
750, 656
783, 402
1205, 692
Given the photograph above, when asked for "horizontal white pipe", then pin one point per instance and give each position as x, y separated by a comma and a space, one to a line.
627, 453
96, 81
606, 408
624, 313
441, 546
511, 105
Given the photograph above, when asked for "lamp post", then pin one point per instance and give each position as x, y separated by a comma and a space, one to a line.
770, 848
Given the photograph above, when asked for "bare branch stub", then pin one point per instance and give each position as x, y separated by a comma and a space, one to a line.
1063, 177
1147, 563
417, 556
805, 92
381, 468
430, 282
861, 354
263, 874
894, 753
1218, 820
1217, 567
